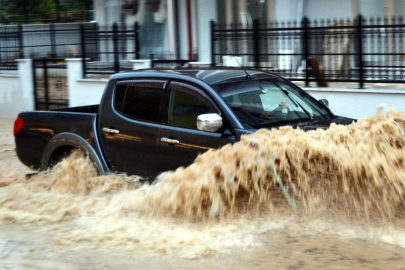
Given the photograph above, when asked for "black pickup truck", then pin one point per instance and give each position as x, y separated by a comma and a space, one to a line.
152, 121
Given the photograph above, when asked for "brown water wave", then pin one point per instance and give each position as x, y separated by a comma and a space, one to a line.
357, 169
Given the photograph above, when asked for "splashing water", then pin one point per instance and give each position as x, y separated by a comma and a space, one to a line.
358, 168
227, 197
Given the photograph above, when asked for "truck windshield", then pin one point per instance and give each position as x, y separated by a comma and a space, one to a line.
267, 103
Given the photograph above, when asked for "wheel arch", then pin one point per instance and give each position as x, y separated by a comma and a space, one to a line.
67, 142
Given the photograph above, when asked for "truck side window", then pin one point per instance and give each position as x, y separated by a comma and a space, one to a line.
140, 100
186, 104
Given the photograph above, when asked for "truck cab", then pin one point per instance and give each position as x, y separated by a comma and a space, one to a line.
152, 121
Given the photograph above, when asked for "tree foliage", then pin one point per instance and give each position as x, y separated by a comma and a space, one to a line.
36, 11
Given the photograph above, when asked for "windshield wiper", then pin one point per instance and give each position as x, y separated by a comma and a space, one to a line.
297, 104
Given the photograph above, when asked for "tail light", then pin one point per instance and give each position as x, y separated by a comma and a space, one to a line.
18, 124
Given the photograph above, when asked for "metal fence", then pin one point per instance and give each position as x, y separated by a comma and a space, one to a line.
169, 64
10, 47
50, 84
42, 40
116, 46
104, 50
360, 50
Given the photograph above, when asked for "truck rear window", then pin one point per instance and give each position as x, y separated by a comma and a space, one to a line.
120, 91
141, 103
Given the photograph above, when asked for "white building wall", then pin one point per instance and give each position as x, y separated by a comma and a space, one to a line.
194, 23
100, 11
171, 29
321, 9
183, 34
359, 103
328, 9
206, 12
113, 8
372, 8
285, 10
399, 8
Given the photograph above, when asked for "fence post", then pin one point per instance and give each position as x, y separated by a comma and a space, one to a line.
34, 81
115, 48
360, 45
305, 39
83, 49
97, 41
152, 62
20, 41
136, 36
46, 84
256, 42
212, 25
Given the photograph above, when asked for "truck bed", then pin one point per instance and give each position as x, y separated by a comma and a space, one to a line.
83, 109
41, 126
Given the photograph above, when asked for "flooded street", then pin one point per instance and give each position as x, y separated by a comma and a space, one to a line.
21, 248
71, 219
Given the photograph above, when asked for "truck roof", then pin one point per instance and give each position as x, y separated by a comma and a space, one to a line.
210, 76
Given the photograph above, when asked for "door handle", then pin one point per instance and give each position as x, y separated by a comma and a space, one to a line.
167, 140
110, 130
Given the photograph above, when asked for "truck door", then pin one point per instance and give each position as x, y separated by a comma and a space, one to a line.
180, 142
130, 123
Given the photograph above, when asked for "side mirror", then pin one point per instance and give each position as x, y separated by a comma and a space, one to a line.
324, 102
210, 122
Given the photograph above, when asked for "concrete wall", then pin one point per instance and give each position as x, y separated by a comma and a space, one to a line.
9, 100
83, 92
358, 103
16, 91
86, 92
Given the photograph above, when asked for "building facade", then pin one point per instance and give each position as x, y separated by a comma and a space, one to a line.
180, 29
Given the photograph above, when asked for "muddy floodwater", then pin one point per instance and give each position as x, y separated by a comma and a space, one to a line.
347, 184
